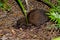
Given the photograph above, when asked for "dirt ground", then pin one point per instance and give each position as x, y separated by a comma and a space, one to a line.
13, 27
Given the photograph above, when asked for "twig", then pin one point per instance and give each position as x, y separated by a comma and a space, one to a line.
27, 5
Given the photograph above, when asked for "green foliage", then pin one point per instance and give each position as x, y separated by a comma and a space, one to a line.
58, 2
54, 12
49, 3
23, 9
4, 5
58, 38
55, 16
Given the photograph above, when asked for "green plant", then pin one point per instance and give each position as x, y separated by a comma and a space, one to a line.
49, 3
58, 38
4, 5
23, 9
54, 12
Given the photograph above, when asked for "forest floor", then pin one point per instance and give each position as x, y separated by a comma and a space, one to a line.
10, 30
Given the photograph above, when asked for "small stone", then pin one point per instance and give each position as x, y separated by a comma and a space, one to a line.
35, 36
21, 29
31, 30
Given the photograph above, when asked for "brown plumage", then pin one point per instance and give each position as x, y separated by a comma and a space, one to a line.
37, 17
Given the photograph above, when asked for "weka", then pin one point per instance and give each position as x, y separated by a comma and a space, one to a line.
37, 17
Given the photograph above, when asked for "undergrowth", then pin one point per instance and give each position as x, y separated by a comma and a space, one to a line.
4, 5
23, 9
54, 12
57, 38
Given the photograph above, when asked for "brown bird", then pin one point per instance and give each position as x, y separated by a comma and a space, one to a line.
37, 17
